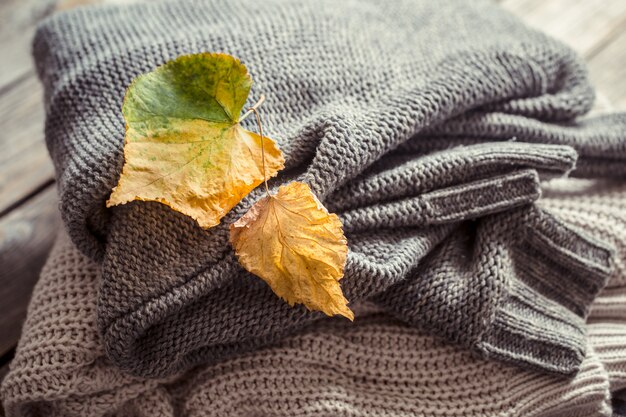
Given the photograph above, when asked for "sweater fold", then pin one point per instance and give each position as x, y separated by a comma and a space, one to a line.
426, 126
377, 365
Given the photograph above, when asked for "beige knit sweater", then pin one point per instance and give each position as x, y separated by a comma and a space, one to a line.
374, 367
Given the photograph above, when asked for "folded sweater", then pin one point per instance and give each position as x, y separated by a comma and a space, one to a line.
375, 366
368, 101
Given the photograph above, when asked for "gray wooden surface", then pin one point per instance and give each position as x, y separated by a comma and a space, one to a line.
28, 209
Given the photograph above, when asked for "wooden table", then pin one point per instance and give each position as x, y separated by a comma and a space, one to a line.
28, 206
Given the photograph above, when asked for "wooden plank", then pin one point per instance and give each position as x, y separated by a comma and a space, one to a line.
26, 236
17, 27
24, 161
608, 71
585, 25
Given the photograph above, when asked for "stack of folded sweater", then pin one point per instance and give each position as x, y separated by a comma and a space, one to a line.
431, 129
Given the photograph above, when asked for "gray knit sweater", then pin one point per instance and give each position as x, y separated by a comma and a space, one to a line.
368, 101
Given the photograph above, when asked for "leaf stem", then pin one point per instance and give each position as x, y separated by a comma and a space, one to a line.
254, 110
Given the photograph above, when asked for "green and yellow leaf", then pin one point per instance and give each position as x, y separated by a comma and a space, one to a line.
184, 146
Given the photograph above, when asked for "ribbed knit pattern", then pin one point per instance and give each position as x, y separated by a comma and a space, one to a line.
356, 92
609, 342
597, 207
374, 367
525, 251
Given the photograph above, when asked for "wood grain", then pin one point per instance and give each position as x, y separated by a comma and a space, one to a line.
24, 161
585, 25
608, 71
26, 236
18, 19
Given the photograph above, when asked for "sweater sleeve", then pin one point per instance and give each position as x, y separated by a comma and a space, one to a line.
516, 286
599, 140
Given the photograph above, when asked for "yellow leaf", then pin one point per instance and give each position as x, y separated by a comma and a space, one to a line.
184, 146
293, 243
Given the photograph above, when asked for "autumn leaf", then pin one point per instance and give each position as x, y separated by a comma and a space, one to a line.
293, 243
184, 146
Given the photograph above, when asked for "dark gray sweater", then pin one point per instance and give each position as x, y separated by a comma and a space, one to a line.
426, 125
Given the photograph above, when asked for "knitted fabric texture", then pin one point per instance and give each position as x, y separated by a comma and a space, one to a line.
374, 366
578, 202
364, 99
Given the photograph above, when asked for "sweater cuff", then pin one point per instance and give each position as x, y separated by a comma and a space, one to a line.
540, 322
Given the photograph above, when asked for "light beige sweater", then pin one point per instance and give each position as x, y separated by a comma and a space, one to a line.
374, 367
